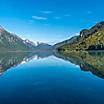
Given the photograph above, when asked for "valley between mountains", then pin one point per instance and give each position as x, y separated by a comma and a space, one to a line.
88, 40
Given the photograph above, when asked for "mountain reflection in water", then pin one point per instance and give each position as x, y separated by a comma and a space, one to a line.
88, 61
12, 59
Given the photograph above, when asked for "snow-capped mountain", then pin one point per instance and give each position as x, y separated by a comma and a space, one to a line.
12, 42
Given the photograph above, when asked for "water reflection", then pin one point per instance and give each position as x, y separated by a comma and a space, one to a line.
88, 61
12, 59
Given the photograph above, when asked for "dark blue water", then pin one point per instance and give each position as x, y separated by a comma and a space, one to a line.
50, 80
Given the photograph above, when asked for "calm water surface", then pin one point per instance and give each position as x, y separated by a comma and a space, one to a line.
37, 78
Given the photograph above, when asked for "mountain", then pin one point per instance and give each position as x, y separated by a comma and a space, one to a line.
11, 42
30, 44
89, 39
43, 46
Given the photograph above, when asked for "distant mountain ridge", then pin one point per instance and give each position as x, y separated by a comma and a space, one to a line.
43, 46
89, 39
11, 42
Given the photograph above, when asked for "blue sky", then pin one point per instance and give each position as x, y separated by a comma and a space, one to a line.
49, 20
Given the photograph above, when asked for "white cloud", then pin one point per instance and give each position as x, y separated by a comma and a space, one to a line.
46, 12
39, 18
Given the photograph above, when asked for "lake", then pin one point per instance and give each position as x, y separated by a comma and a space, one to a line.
52, 78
